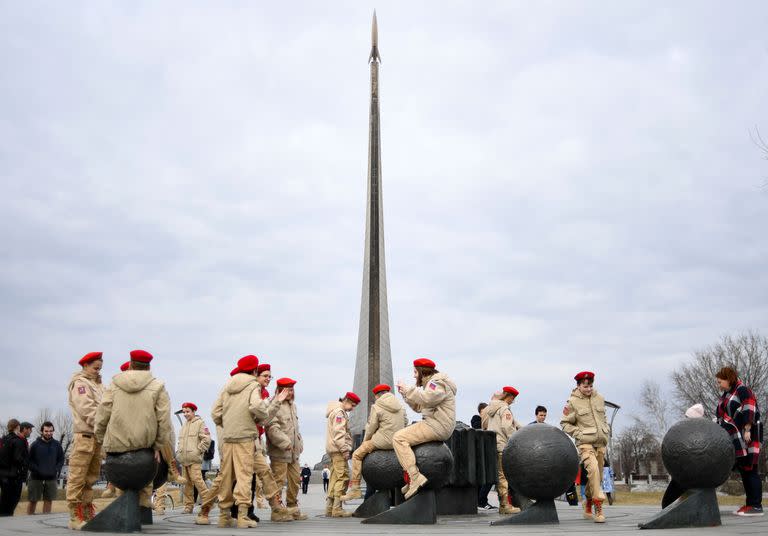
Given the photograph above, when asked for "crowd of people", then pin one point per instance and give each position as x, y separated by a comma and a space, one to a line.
134, 413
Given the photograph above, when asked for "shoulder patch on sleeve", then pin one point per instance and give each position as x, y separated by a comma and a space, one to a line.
339, 419
508, 416
432, 385
206, 431
81, 390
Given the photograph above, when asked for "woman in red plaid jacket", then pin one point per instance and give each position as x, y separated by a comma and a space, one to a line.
739, 415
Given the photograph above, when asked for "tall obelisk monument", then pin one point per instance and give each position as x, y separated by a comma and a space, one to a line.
374, 359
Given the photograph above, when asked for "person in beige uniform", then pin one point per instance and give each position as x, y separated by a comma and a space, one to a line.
387, 417
194, 440
503, 422
584, 419
338, 445
284, 446
236, 410
84, 392
434, 396
135, 414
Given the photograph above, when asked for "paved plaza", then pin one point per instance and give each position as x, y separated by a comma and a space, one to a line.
620, 519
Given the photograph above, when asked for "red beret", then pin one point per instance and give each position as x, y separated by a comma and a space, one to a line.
142, 356
125, 366
189, 405
87, 358
352, 397
286, 382
510, 390
262, 367
424, 362
381, 387
234, 371
584, 375
248, 363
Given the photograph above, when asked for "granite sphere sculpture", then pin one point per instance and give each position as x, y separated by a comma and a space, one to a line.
540, 461
131, 470
698, 453
161, 477
381, 470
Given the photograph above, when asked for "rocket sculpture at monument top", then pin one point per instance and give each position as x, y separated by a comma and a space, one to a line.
374, 359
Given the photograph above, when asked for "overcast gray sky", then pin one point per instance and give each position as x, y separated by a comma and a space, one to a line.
567, 186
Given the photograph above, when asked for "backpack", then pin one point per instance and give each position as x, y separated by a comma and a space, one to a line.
208, 454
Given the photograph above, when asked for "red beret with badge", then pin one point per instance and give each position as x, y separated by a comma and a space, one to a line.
248, 363
189, 405
286, 382
262, 367
511, 390
141, 356
381, 387
424, 362
352, 397
584, 375
89, 357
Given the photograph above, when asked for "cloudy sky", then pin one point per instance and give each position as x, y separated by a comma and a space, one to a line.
567, 186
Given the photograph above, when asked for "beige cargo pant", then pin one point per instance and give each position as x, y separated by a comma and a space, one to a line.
410, 436
337, 486
84, 469
593, 459
264, 474
502, 487
210, 496
236, 465
288, 473
365, 448
194, 475
160, 494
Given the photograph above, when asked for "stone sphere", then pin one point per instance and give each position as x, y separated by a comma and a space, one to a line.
131, 470
381, 470
698, 453
540, 461
161, 477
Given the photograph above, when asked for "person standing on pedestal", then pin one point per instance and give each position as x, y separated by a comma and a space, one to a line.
85, 392
503, 422
338, 445
135, 414
584, 419
284, 446
194, 439
387, 417
434, 396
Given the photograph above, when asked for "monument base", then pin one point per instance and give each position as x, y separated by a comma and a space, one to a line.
122, 515
421, 509
698, 509
538, 513
457, 501
379, 502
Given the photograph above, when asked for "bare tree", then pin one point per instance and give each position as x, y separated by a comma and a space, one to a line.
695, 381
656, 408
637, 446
64, 430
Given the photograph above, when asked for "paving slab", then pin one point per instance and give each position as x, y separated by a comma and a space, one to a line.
621, 519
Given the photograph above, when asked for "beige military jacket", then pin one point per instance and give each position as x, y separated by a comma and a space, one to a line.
436, 401
387, 417
586, 421
284, 443
135, 413
239, 406
502, 421
194, 440
338, 439
84, 394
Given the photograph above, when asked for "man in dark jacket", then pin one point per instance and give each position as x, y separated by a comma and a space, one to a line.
14, 456
306, 474
46, 458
